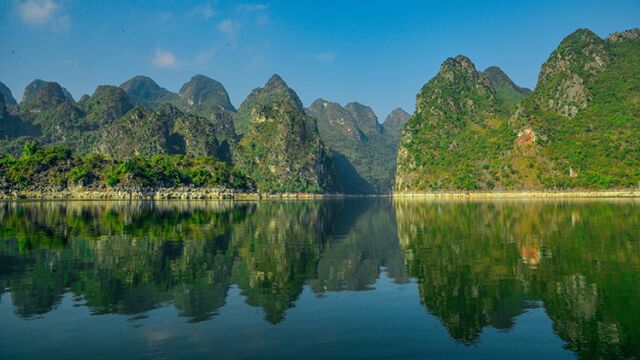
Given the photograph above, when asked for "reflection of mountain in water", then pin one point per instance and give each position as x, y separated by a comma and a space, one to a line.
129, 258
477, 262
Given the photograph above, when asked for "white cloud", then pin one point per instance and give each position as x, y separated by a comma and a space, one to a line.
44, 12
327, 57
206, 11
164, 59
252, 7
229, 28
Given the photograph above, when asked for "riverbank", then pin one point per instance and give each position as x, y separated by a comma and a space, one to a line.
193, 193
533, 194
175, 193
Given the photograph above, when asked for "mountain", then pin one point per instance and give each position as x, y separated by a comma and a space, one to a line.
8, 99
41, 96
164, 130
142, 90
32, 90
281, 149
365, 118
394, 124
201, 93
276, 90
459, 124
107, 104
362, 155
506, 90
577, 129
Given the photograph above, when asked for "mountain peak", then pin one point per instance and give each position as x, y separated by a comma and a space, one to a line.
397, 113
32, 90
203, 90
138, 81
365, 117
459, 62
276, 82
145, 91
563, 77
506, 90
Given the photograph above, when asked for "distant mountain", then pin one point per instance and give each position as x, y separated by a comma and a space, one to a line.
577, 129
142, 90
201, 93
281, 148
394, 124
9, 101
363, 156
506, 90
164, 130
33, 89
365, 118
107, 104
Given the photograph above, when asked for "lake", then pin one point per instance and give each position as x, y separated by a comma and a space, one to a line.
353, 278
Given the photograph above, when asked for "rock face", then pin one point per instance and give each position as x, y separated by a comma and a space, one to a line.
562, 83
362, 154
469, 133
144, 91
281, 148
202, 92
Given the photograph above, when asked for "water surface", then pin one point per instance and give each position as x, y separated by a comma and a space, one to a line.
361, 278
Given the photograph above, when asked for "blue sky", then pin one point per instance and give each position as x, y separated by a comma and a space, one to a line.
376, 52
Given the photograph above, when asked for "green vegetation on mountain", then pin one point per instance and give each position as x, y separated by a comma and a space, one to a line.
577, 129
584, 115
280, 149
52, 166
457, 136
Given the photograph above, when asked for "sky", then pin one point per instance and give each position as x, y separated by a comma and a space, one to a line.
379, 53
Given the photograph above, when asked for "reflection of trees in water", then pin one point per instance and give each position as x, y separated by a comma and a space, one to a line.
120, 257
128, 258
476, 263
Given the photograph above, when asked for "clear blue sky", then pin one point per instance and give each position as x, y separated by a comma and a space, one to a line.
376, 52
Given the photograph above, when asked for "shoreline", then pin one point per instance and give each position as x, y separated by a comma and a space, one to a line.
178, 193
523, 194
189, 193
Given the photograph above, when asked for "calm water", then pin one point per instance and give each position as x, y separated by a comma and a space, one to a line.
369, 278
